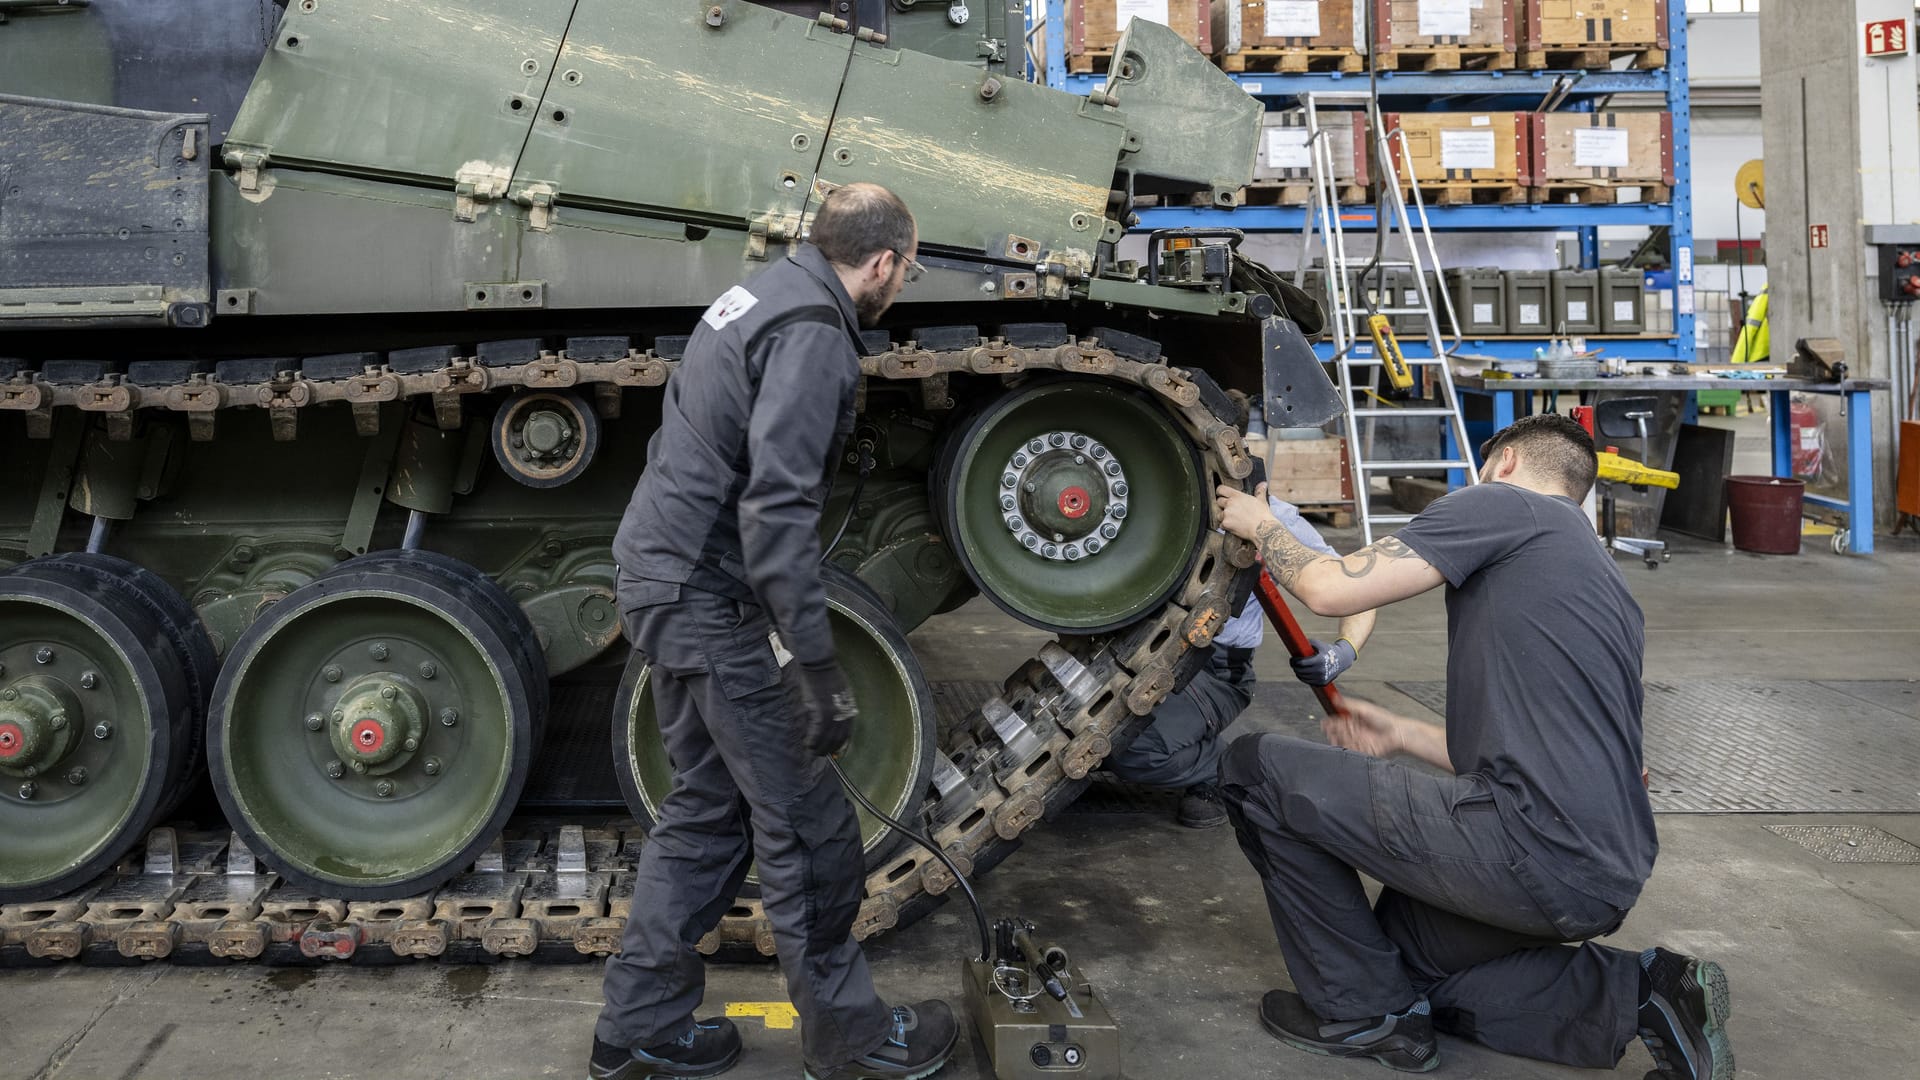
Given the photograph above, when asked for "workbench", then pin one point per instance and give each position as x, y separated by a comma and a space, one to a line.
1512, 398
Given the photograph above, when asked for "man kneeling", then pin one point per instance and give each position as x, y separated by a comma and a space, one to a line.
1539, 837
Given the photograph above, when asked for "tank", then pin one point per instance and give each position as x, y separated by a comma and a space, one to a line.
331, 337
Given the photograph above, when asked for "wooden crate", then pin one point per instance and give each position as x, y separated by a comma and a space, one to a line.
1309, 472
1444, 35
1591, 157
1290, 35
1463, 158
1283, 172
1587, 34
1094, 27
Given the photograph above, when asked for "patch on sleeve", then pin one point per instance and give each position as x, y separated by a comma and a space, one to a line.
732, 304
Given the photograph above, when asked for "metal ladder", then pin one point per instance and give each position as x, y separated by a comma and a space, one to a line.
1353, 348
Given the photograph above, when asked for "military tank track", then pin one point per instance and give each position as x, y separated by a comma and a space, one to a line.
564, 893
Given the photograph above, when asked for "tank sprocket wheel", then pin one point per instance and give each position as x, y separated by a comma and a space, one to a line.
103, 672
890, 756
370, 734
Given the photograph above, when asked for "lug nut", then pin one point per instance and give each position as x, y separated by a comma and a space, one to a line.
314, 722
427, 670
1093, 545
1057, 439
58, 721
27, 790
1113, 468
43, 655
76, 776
411, 744
1120, 488
102, 730
336, 770
1049, 551
432, 766
1037, 444
88, 680
1009, 479
1007, 502
359, 766
1019, 461
9, 694
449, 717
1119, 510
377, 650
1109, 530
331, 673
1079, 442
383, 789
389, 692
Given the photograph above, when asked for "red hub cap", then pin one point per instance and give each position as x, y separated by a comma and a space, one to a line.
367, 737
12, 740
1074, 502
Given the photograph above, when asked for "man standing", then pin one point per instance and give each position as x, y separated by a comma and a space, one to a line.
1181, 746
718, 549
1539, 837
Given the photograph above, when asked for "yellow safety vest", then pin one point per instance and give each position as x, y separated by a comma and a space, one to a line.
1752, 346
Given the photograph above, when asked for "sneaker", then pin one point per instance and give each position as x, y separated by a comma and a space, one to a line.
1402, 1040
1200, 807
705, 1048
919, 1044
1684, 1019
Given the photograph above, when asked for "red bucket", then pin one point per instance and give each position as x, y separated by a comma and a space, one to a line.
1766, 513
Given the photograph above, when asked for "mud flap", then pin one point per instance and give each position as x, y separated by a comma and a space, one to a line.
1297, 390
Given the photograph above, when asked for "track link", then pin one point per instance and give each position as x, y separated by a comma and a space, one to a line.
1022, 754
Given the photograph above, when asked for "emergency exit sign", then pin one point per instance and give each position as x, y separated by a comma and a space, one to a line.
1886, 37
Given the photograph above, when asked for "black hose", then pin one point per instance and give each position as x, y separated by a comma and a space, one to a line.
853, 504
979, 913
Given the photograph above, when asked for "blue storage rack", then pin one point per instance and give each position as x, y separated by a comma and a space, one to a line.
1412, 91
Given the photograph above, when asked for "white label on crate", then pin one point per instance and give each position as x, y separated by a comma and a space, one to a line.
1466, 150
1148, 10
1530, 315
1293, 18
1576, 311
1251, 87
1287, 148
1410, 298
1600, 148
1478, 5
1445, 18
1683, 299
1483, 313
1623, 311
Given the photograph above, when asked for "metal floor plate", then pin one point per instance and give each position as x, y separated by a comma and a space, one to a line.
1770, 746
1850, 843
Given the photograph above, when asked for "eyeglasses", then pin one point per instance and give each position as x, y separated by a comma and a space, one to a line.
914, 269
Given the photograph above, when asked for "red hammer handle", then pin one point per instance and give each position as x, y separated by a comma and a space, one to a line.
1275, 604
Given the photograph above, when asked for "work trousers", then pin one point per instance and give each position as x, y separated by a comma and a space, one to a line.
1182, 742
1467, 918
745, 789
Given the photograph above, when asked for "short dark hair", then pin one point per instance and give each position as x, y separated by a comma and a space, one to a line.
856, 221
1553, 447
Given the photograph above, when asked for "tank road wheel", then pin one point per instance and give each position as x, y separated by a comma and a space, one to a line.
890, 756
544, 438
369, 735
103, 672
1077, 506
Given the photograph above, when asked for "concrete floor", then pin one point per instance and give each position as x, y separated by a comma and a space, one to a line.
1824, 958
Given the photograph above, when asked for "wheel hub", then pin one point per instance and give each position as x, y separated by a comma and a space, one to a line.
378, 722
548, 436
1064, 495
39, 725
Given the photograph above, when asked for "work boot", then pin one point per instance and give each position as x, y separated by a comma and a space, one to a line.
1683, 1016
1402, 1040
705, 1048
919, 1044
1200, 807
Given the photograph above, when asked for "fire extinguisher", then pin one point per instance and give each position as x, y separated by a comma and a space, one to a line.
1807, 441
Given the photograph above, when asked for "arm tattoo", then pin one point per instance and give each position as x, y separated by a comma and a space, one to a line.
1283, 553
1389, 547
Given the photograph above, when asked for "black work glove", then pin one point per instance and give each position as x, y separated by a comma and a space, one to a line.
1326, 663
830, 708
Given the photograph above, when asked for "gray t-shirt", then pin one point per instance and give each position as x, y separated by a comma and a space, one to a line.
1544, 645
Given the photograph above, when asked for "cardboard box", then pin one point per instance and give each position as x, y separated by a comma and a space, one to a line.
1455, 148
1610, 149
1094, 26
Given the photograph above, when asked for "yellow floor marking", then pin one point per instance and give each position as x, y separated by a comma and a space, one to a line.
779, 1015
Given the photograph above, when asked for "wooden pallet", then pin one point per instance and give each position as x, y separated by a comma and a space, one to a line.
1091, 62
1645, 58
1474, 193
1598, 194
1297, 193
1335, 515
1291, 61
1446, 58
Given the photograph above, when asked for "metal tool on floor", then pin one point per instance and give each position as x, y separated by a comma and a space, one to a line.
1401, 267
1036, 1015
